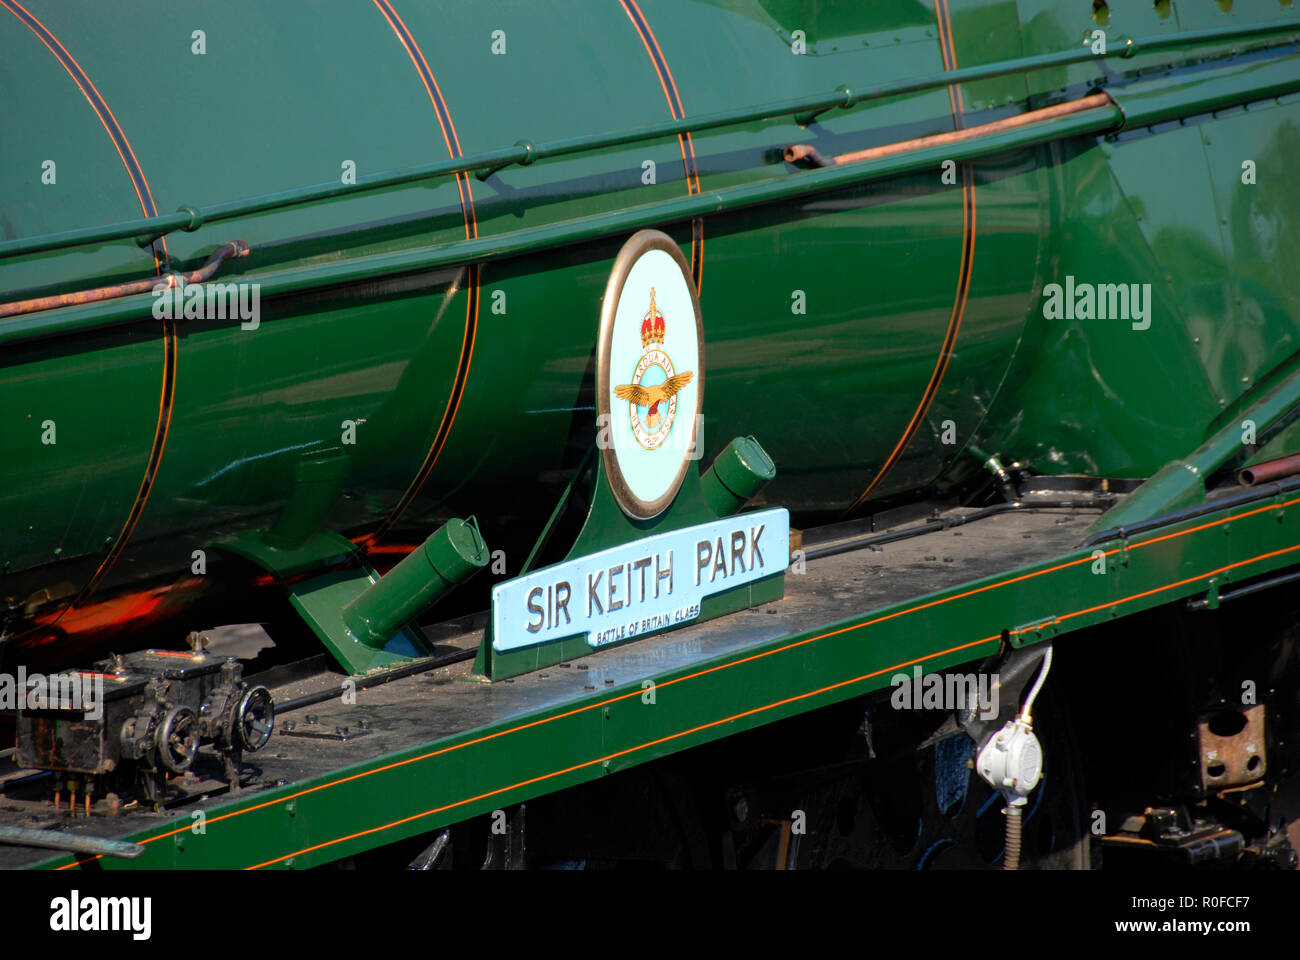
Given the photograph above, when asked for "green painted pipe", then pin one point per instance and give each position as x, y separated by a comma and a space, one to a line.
191, 217
1163, 99
1141, 106
450, 555
130, 309
1181, 483
736, 475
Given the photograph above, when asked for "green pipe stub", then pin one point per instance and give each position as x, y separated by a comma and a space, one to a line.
456, 550
738, 473
450, 554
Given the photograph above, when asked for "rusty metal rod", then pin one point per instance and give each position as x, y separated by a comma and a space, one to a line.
227, 251
69, 842
802, 152
1269, 470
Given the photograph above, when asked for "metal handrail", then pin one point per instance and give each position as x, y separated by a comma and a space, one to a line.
580, 229
804, 109
1123, 110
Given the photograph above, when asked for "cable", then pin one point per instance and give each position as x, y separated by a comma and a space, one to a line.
1038, 685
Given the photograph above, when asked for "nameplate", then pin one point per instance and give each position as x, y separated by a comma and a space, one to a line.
640, 587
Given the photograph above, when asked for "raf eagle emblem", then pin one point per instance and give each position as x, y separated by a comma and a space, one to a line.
657, 398
652, 396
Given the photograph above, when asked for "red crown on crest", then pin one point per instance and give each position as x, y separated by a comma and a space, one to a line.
652, 324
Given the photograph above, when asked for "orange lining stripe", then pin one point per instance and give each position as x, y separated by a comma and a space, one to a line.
473, 273
758, 656
439, 106
678, 112
692, 172
967, 263
421, 66
624, 752
948, 49
755, 710
166, 404
1167, 586
133, 168
170, 342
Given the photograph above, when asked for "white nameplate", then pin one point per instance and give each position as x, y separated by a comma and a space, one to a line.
639, 587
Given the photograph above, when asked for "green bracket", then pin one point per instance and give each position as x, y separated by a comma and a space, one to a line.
321, 602
360, 617
1181, 483
320, 552
321, 576
846, 99
295, 546
739, 472
1212, 595
1035, 631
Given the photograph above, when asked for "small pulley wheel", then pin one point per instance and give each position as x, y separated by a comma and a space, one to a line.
177, 739
255, 718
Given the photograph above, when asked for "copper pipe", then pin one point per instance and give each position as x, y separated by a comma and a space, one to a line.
805, 152
1269, 470
227, 251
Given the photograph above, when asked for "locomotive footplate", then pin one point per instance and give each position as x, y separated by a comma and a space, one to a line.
408, 717
944, 590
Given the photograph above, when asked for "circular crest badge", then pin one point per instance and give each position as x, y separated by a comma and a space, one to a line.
650, 373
